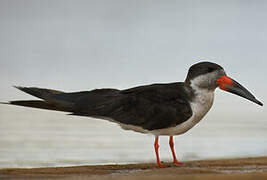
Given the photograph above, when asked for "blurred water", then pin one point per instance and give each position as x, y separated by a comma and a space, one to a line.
37, 138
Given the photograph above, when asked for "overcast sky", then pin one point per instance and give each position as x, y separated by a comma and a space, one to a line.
74, 45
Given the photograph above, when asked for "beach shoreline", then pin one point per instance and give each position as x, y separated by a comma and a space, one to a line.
239, 168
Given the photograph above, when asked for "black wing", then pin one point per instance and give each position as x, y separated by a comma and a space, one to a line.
150, 107
153, 107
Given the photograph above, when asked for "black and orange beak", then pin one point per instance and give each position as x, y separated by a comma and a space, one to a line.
228, 84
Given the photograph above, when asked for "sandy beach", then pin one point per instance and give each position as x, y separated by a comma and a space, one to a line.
243, 168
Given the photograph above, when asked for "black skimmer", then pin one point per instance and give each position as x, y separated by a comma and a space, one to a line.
159, 109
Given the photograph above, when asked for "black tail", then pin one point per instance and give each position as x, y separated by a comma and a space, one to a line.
40, 105
87, 103
45, 94
49, 99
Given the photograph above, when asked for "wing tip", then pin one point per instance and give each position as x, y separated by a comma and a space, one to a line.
5, 102
18, 87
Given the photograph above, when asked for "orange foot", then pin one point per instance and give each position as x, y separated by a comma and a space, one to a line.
178, 163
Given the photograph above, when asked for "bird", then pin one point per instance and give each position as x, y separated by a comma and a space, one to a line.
163, 109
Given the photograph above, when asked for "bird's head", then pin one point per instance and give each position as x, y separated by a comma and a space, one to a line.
208, 76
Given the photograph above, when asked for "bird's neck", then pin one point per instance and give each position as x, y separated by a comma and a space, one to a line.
202, 101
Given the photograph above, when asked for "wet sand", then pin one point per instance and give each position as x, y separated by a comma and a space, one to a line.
245, 169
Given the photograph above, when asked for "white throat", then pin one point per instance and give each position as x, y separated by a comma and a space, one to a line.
203, 99
202, 102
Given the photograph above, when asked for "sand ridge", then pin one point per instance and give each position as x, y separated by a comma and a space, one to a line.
243, 168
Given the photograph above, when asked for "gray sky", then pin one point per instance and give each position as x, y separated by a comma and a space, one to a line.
81, 45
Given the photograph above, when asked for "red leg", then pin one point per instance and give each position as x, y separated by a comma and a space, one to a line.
156, 146
175, 161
